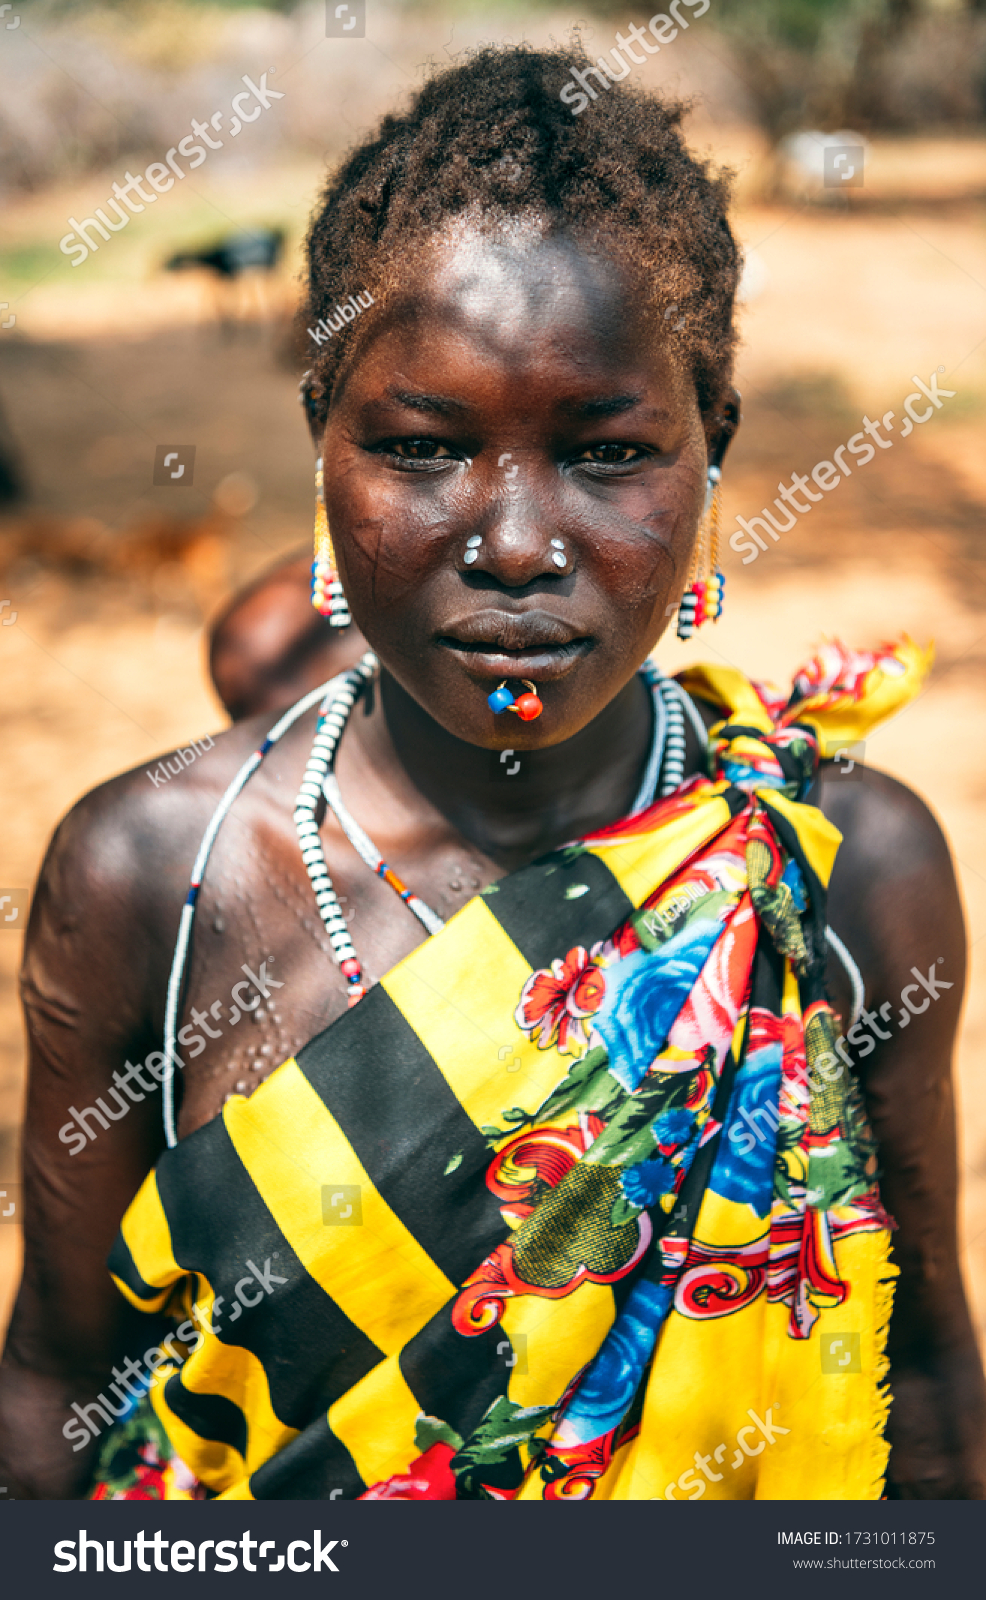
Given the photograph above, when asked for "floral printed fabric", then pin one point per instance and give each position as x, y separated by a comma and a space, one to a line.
619, 1272
137, 1462
705, 1010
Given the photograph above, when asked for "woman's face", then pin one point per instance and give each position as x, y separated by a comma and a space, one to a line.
508, 393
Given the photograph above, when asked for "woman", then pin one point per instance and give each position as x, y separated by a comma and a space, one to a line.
575, 1193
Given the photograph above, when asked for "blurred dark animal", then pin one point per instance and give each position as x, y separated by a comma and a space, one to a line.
236, 273
260, 247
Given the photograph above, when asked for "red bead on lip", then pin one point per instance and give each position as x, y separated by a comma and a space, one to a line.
527, 707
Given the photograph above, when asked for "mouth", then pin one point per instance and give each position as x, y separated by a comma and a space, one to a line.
532, 644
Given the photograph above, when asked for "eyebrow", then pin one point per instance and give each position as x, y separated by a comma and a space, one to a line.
435, 404
606, 406
588, 410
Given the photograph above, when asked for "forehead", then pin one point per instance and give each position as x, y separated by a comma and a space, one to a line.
518, 280
539, 309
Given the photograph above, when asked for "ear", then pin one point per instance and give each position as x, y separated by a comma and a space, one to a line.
315, 427
721, 427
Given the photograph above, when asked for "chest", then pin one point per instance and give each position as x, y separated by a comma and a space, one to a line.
261, 977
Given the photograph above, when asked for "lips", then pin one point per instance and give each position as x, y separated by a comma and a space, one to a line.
512, 644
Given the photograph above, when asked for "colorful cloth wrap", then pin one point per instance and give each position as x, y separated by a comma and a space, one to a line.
580, 1200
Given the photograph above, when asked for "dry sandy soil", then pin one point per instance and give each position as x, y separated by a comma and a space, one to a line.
102, 673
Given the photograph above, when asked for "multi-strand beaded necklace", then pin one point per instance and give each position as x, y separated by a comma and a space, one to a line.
663, 774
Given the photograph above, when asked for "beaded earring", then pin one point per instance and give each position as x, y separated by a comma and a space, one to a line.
328, 595
702, 600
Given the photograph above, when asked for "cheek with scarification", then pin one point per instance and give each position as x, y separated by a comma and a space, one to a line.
386, 559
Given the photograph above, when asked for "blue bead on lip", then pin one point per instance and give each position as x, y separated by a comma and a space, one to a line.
500, 699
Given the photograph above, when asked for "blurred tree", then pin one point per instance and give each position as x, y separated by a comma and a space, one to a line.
815, 63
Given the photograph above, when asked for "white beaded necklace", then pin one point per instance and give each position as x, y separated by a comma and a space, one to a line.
663, 774
667, 751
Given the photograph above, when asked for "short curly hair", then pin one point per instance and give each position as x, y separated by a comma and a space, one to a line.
491, 136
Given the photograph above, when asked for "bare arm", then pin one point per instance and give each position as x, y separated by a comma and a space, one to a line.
895, 903
93, 955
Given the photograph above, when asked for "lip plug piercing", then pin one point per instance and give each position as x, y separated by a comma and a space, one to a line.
558, 555
472, 549
527, 706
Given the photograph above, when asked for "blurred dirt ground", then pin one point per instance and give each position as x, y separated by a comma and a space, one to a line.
111, 579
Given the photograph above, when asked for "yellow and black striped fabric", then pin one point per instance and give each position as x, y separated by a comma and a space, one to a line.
385, 1108
326, 1231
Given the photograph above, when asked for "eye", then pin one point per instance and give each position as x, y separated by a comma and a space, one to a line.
611, 455
419, 450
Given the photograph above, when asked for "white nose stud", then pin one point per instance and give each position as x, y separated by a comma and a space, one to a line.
472, 549
558, 555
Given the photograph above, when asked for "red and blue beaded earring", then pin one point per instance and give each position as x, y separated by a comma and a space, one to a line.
702, 600
328, 595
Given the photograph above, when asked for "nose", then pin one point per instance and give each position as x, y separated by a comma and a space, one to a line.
516, 541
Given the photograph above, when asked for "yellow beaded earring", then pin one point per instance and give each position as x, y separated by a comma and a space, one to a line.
702, 600
328, 595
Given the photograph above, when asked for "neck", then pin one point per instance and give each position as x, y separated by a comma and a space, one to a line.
559, 794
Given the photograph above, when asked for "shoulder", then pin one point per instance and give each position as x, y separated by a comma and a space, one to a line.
151, 808
893, 897
118, 864
885, 826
